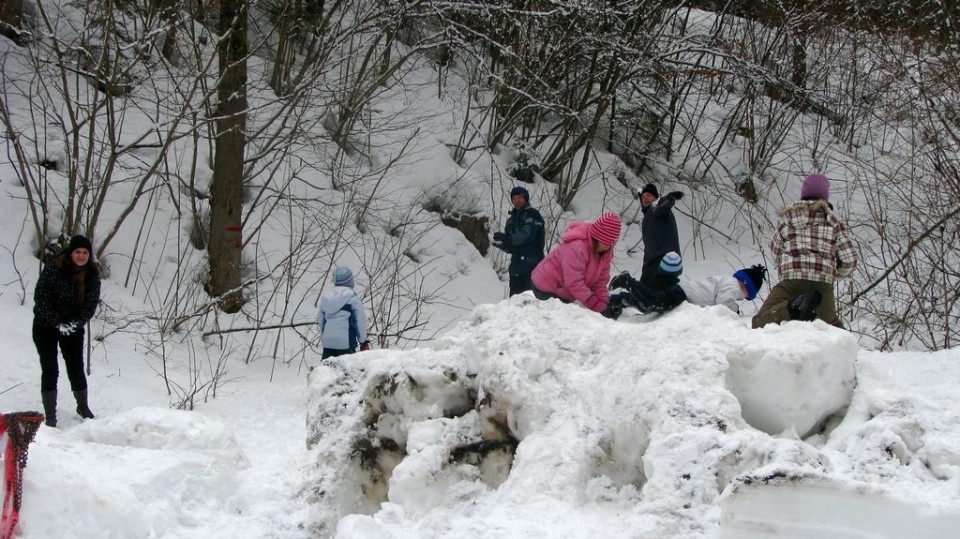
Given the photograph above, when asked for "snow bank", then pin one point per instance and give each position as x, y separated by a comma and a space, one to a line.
793, 385
783, 510
543, 404
99, 475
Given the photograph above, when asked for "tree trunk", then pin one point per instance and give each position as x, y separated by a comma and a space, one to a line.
226, 238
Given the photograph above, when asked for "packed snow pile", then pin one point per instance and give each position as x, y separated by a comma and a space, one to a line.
544, 406
789, 382
829, 509
101, 472
894, 463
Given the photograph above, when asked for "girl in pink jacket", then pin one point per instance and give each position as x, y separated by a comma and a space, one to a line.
578, 269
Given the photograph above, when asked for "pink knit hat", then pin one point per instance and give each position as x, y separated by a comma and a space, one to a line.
815, 186
606, 229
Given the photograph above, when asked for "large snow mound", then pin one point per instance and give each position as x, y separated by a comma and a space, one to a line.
97, 475
543, 405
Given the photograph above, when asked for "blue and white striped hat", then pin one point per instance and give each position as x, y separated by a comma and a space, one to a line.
671, 264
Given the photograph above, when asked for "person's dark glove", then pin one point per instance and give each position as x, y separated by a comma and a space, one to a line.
614, 307
364, 346
612, 311
499, 237
676, 195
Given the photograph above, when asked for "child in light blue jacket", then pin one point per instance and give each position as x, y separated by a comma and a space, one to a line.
343, 322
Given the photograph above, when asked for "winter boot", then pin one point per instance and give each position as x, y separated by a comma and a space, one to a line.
624, 280
50, 407
804, 306
82, 409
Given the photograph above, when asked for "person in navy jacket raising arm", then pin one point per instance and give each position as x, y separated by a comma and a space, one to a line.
659, 229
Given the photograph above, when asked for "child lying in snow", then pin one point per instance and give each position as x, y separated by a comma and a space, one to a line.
714, 290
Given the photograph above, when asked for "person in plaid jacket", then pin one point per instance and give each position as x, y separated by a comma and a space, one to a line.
812, 250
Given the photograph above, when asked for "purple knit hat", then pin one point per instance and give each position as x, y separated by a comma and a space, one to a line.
815, 187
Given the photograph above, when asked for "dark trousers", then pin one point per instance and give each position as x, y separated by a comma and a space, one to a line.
650, 269
774, 309
520, 284
333, 352
47, 339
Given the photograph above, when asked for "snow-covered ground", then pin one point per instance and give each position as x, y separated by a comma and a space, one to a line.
230, 469
529, 419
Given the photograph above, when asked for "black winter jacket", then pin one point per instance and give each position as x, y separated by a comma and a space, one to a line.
55, 299
526, 239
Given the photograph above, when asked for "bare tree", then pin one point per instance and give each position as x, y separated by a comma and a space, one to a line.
910, 294
226, 238
64, 120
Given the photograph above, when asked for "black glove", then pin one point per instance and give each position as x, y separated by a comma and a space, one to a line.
615, 306
501, 241
676, 195
612, 311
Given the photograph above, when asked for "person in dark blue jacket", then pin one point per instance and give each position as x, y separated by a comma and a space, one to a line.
659, 229
523, 237
65, 299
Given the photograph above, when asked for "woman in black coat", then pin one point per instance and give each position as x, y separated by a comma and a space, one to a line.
65, 299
